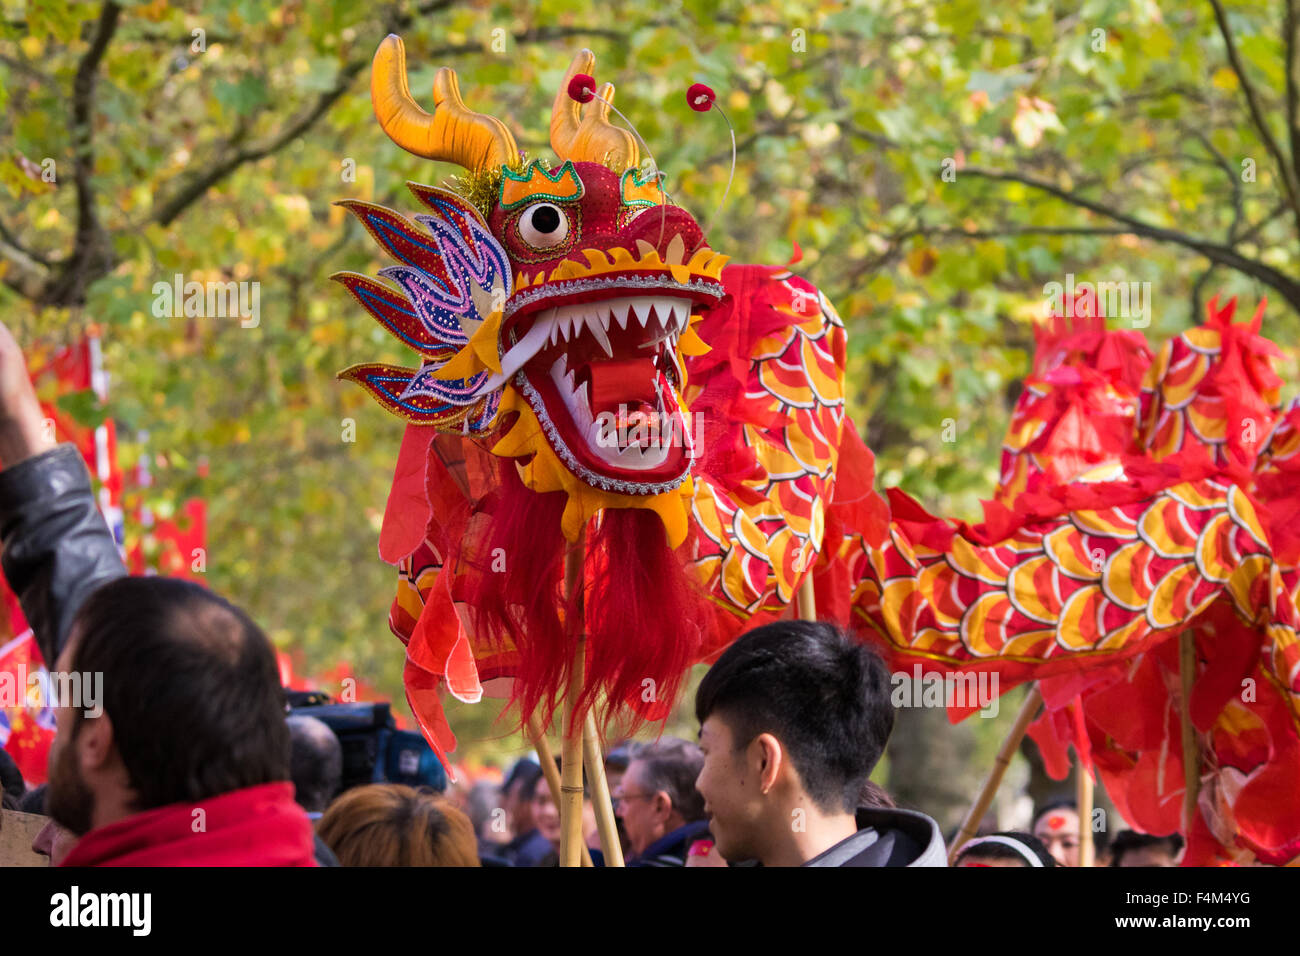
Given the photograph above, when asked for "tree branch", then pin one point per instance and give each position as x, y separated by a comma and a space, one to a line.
1198, 287
1214, 251
91, 250
22, 66
198, 184
22, 273
1238, 212
12, 240
1003, 231
1251, 231
1291, 27
1256, 114
895, 240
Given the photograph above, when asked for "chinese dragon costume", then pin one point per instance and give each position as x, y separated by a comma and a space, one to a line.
590, 368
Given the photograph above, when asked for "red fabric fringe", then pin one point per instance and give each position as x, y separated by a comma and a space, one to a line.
637, 591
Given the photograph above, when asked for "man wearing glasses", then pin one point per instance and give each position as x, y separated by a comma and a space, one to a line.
662, 812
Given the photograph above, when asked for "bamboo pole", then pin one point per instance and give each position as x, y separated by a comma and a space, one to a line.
1191, 749
605, 821
971, 822
1083, 800
571, 841
807, 598
549, 770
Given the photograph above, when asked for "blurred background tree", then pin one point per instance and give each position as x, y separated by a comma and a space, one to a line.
936, 163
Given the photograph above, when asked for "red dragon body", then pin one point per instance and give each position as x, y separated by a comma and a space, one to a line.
590, 367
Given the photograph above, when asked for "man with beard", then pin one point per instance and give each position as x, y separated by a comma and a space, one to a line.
184, 757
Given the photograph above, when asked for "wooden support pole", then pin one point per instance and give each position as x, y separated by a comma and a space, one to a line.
549, 770
605, 822
1083, 800
571, 841
807, 598
1191, 747
971, 823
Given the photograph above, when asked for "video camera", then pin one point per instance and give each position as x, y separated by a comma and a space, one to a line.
374, 749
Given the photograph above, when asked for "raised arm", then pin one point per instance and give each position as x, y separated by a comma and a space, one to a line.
57, 547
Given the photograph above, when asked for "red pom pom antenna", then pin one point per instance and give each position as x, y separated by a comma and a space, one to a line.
699, 97
582, 88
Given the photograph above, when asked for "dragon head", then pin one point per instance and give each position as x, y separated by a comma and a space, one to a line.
553, 304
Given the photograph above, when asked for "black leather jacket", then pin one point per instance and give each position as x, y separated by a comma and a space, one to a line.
57, 547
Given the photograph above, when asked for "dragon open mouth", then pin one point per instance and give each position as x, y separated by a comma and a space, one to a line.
619, 385
605, 379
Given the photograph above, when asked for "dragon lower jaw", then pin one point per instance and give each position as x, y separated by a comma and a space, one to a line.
635, 435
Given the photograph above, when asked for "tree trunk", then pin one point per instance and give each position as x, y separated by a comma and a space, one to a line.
931, 764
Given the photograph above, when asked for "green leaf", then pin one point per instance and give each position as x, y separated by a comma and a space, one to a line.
244, 96
82, 407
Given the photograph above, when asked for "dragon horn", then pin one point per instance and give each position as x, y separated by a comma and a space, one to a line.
590, 137
452, 133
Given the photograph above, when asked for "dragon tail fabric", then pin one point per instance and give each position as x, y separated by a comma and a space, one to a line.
1141, 498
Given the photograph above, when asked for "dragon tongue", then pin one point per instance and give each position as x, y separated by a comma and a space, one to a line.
629, 384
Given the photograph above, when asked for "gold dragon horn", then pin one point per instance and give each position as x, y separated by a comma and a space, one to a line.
590, 136
452, 133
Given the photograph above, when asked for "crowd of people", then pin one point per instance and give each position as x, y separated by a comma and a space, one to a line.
193, 760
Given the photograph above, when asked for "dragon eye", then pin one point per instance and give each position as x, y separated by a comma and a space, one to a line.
543, 225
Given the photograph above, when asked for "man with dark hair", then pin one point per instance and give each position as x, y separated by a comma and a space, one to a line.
656, 799
315, 763
316, 769
793, 718
184, 759
1143, 849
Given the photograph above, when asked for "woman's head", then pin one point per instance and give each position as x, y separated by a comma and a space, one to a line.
386, 824
1010, 848
1056, 825
546, 815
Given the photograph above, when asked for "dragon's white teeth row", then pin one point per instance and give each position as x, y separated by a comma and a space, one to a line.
575, 396
633, 457
567, 322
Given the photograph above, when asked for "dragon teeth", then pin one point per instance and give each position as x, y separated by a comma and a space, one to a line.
680, 314
563, 324
596, 326
583, 406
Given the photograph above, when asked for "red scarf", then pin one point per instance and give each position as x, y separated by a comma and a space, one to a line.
256, 826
